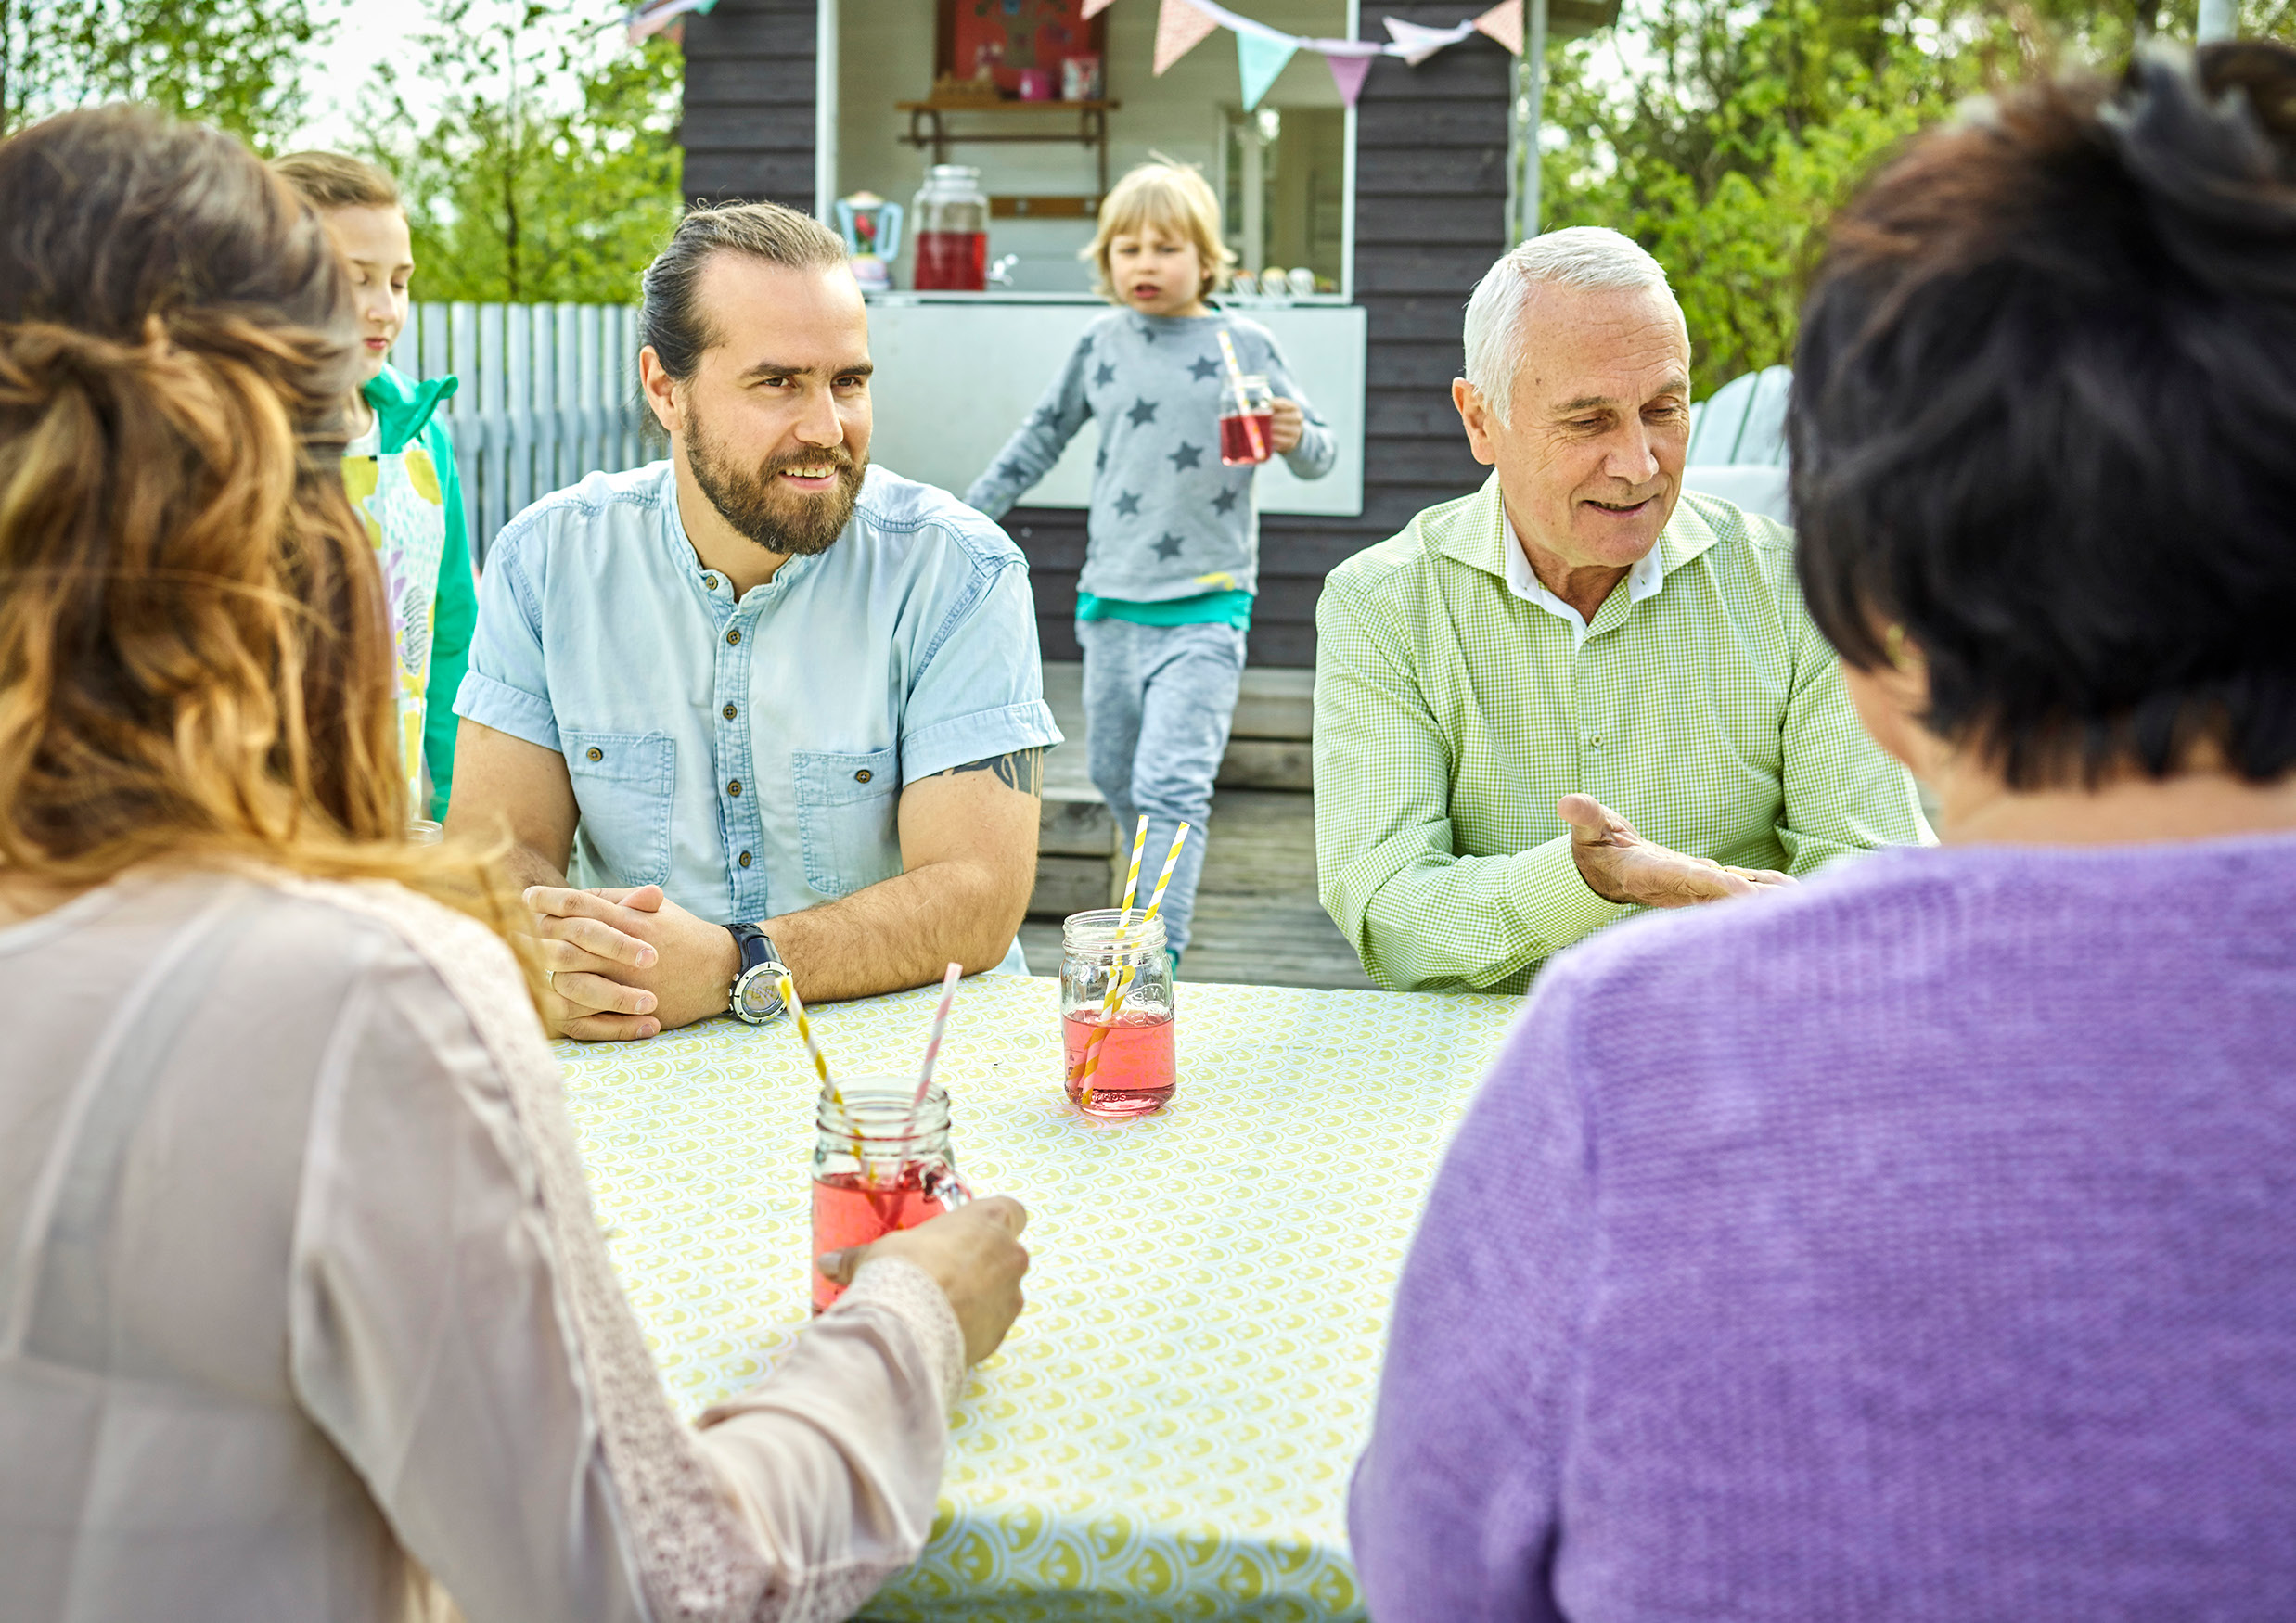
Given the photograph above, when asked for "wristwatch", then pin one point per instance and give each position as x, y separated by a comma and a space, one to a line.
757, 995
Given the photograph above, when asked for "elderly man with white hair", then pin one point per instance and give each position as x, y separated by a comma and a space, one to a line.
1579, 691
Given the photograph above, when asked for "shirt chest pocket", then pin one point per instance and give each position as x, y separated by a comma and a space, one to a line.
846, 806
626, 783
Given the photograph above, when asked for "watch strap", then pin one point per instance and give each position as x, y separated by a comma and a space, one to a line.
756, 996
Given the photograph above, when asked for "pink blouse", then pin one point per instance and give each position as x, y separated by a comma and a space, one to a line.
305, 1313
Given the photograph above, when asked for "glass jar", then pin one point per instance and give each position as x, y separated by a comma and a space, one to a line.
1247, 420
1116, 1014
950, 231
878, 1166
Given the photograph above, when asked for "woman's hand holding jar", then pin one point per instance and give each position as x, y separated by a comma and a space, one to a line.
975, 1256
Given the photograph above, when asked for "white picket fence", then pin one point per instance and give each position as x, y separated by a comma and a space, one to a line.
549, 393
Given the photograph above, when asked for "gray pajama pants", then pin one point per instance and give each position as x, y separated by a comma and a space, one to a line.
1157, 702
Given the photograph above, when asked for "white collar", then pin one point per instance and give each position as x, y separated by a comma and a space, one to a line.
1643, 580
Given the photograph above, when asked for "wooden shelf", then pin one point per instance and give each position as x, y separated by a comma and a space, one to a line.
927, 127
1014, 106
1052, 208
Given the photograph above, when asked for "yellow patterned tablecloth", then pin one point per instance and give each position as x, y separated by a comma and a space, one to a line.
1168, 1431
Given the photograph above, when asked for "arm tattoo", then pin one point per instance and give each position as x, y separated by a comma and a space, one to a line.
1022, 770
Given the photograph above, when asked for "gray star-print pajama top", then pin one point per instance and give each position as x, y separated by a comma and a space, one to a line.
1167, 520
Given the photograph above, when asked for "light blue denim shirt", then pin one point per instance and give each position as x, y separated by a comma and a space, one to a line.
748, 756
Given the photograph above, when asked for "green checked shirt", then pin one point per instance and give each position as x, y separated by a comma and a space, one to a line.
1451, 714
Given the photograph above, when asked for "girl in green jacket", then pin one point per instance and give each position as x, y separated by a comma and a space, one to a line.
399, 468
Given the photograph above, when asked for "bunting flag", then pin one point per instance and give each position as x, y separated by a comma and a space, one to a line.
1503, 23
1258, 60
1348, 72
656, 15
1415, 43
1180, 28
1262, 51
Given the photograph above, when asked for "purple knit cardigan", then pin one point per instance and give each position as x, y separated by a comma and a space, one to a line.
1920, 1245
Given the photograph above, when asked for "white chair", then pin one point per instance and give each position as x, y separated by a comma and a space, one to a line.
1744, 421
1737, 442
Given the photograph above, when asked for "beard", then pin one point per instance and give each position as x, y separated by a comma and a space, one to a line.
768, 511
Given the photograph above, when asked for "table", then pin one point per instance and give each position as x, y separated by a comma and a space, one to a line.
1169, 1429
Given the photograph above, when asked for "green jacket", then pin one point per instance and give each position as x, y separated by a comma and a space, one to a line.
407, 414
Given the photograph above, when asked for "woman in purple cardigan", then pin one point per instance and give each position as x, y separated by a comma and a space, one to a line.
1920, 1243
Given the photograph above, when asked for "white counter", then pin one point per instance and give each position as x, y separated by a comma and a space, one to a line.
957, 373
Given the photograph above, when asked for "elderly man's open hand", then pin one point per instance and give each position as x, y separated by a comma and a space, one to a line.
1620, 865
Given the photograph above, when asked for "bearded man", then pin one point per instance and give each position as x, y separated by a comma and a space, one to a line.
761, 704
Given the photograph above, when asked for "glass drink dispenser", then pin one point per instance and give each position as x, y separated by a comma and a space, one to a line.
950, 231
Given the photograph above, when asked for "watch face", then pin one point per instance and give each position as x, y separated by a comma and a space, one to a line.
760, 998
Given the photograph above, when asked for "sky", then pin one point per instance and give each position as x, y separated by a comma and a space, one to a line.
367, 31
362, 36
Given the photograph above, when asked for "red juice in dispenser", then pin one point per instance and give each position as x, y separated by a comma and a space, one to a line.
952, 230
952, 261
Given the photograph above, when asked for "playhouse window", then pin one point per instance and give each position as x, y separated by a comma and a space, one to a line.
1283, 170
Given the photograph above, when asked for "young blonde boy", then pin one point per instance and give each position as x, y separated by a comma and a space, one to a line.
399, 468
1172, 539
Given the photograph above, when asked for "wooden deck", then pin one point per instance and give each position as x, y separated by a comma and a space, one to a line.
1257, 919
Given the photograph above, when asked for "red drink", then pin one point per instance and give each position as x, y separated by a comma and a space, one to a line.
1136, 1074
848, 1211
1237, 448
952, 261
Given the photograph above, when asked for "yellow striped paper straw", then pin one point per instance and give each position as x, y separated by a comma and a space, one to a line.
1114, 1002
791, 1001
805, 1035
1132, 878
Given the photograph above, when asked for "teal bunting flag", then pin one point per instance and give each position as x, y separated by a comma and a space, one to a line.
1259, 61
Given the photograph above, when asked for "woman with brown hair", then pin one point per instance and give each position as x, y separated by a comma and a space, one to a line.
303, 1310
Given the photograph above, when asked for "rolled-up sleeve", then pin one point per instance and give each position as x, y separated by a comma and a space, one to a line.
1418, 914
507, 685
980, 690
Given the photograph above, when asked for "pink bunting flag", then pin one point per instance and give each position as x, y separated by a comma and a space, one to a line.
1180, 28
1503, 23
1348, 72
1093, 8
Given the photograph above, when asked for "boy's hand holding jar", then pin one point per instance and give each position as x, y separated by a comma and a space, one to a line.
1284, 432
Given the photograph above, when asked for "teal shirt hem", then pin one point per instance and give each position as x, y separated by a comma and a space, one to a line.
1209, 608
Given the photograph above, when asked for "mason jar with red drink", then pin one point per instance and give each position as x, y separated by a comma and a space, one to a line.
883, 1161
1116, 1014
1247, 420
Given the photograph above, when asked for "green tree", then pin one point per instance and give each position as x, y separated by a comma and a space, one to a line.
550, 171
1721, 134
235, 64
